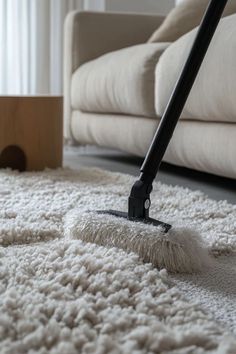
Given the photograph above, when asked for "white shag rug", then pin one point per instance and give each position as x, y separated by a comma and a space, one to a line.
60, 295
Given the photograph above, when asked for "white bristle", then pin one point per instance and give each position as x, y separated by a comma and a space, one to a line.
180, 250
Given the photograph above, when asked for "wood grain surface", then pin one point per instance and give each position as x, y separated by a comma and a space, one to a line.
34, 124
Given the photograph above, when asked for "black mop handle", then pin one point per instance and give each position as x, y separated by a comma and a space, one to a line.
181, 91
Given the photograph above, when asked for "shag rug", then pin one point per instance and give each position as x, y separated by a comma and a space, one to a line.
61, 295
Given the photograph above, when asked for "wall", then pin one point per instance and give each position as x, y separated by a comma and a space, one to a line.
142, 6
148, 6
97, 5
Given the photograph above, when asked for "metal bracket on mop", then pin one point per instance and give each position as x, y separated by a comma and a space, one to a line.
139, 200
139, 204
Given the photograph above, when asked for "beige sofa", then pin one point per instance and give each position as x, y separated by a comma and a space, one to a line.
116, 87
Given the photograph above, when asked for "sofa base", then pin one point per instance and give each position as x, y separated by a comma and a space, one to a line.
204, 146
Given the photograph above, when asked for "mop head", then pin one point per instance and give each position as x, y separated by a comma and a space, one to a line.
180, 250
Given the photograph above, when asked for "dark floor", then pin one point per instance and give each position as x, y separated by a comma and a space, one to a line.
215, 187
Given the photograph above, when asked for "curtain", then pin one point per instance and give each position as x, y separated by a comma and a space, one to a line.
31, 41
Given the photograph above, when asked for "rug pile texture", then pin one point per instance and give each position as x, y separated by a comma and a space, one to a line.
59, 294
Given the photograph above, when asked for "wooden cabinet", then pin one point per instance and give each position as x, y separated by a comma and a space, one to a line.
31, 132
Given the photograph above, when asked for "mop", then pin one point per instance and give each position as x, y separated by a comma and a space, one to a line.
178, 249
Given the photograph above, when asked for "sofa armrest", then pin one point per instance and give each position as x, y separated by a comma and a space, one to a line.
88, 35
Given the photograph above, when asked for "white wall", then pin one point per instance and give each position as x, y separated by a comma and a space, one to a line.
97, 5
142, 6
148, 6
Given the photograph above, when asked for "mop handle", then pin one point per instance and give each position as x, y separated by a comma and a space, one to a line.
181, 91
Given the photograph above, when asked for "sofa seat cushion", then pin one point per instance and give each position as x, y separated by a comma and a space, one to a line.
212, 97
204, 146
118, 82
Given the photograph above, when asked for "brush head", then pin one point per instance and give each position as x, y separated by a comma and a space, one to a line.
178, 250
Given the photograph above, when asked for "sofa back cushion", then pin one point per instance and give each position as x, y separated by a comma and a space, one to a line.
119, 82
183, 18
212, 97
